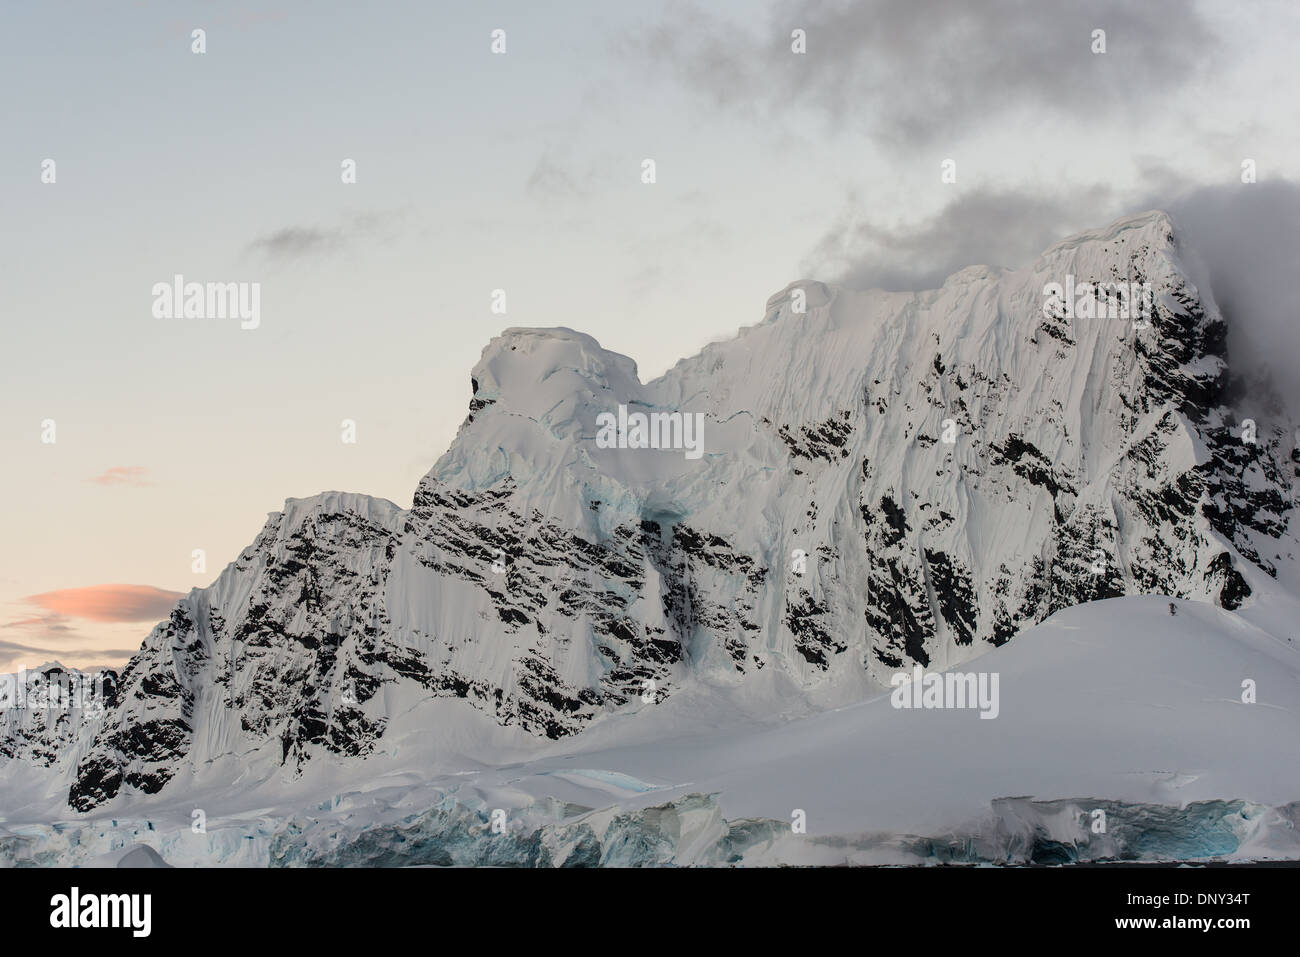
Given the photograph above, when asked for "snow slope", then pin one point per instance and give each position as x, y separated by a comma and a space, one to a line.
1117, 705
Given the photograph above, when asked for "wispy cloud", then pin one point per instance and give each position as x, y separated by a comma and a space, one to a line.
1244, 236
294, 241
14, 654
995, 227
50, 632
130, 475
911, 73
305, 242
553, 178
49, 624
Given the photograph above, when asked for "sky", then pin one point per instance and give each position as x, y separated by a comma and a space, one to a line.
519, 171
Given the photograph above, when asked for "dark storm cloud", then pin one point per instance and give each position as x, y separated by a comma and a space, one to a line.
913, 73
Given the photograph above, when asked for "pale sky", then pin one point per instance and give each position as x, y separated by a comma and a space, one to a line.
518, 171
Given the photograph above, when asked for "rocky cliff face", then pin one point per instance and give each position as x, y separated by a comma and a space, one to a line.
887, 479
44, 712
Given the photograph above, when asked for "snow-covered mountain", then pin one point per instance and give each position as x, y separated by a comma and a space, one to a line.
887, 479
44, 711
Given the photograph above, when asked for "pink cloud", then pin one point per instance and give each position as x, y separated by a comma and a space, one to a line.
109, 603
132, 475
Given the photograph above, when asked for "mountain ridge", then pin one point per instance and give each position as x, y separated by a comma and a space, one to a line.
830, 531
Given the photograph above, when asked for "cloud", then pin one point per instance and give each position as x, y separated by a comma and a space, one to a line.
982, 226
14, 654
911, 73
1243, 240
130, 475
1247, 238
294, 243
107, 603
47, 624
997, 227
48, 634
551, 179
